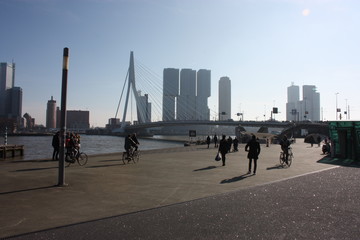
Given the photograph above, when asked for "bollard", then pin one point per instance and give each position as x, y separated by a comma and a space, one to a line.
5, 137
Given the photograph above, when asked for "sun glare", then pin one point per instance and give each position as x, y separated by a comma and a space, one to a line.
306, 12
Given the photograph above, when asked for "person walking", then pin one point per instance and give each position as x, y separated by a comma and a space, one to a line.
236, 144
215, 140
223, 148
230, 141
253, 149
56, 146
208, 141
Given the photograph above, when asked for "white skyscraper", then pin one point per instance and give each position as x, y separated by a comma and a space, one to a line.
186, 102
203, 92
311, 103
170, 93
306, 109
224, 98
292, 105
145, 106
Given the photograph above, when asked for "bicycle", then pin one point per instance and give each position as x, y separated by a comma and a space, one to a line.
71, 157
134, 156
283, 158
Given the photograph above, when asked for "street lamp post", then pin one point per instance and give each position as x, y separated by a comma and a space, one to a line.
346, 109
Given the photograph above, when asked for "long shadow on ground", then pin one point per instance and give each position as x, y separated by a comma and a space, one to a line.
340, 162
235, 179
206, 168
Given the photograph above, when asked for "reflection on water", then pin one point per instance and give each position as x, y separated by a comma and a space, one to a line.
39, 147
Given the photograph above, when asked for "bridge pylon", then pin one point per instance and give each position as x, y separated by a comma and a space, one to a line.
141, 105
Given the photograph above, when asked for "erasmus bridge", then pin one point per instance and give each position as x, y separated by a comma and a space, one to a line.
144, 94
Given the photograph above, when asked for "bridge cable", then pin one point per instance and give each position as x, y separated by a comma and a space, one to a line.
117, 110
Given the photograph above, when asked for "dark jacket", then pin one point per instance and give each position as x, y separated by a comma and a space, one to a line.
129, 143
56, 141
253, 148
223, 146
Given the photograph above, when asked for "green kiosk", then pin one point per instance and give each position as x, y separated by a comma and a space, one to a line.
345, 139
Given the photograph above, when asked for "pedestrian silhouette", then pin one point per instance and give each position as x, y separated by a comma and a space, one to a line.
253, 149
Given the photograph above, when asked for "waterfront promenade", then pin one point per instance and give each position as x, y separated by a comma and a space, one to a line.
202, 199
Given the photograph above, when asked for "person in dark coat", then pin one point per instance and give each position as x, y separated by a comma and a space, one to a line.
208, 141
215, 140
129, 143
253, 149
223, 148
56, 146
236, 144
135, 140
230, 141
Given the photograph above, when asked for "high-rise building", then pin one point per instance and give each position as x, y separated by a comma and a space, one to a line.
77, 120
185, 94
292, 105
186, 102
145, 107
224, 98
51, 114
14, 103
7, 80
10, 98
203, 92
170, 93
306, 109
311, 103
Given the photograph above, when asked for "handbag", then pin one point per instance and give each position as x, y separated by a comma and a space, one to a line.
217, 158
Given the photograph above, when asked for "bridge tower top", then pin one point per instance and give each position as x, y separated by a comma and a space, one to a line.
140, 105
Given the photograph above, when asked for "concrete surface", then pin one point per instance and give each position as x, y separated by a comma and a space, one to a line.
131, 197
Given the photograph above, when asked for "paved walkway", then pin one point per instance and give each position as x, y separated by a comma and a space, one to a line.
106, 189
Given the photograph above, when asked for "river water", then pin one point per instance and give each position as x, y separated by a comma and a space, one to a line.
39, 147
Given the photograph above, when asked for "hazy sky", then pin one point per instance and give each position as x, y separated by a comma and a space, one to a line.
261, 45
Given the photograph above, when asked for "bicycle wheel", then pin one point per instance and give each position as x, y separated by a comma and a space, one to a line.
67, 164
290, 159
67, 161
136, 156
281, 158
123, 157
82, 159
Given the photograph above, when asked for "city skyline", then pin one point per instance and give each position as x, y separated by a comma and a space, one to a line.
305, 109
190, 90
10, 97
262, 46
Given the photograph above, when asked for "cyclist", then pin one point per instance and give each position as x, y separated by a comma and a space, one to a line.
285, 144
135, 140
71, 146
129, 143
